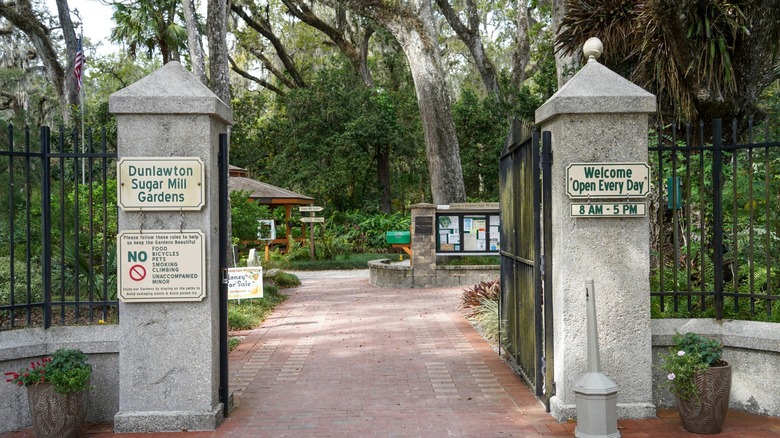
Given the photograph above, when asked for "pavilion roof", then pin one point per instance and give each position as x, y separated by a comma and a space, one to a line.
262, 192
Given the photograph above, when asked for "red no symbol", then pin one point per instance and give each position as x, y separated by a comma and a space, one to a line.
137, 272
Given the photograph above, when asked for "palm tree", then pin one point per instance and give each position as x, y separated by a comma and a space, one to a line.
151, 25
704, 59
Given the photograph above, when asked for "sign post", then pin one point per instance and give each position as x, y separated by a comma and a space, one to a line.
311, 220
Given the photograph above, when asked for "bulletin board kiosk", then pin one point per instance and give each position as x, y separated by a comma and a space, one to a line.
468, 229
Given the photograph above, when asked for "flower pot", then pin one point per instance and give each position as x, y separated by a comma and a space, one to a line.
56, 415
707, 414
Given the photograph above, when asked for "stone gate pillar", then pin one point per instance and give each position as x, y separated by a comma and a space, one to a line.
424, 245
600, 117
168, 256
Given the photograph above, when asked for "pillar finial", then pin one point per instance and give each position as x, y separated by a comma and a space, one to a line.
593, 48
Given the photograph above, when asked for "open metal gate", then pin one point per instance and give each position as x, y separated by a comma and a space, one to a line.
224, 236
526, 294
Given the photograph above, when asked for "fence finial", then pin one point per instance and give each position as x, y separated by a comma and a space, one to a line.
593, 48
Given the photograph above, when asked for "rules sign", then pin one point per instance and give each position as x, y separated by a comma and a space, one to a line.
161, 265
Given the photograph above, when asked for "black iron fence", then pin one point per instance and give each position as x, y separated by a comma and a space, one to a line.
58, 224
715, 238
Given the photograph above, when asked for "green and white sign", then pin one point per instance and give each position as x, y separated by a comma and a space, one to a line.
607, 180
160, 183
609, 209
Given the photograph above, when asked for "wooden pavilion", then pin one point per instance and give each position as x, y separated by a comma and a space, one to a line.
267, 194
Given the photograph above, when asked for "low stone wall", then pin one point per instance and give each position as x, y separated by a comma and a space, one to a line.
386, 273
19, 347
752, 349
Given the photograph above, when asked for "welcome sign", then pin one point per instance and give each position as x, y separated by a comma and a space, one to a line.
607, 180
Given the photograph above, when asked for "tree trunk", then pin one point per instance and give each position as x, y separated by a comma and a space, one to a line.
71, 44
522, 53
365, 72
469, 34
194, 42
565, 65
419, 42
383, 177
218, 53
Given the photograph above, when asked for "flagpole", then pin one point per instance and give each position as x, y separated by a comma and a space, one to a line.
81, 104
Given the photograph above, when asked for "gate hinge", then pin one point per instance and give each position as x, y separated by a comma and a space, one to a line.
553, 388
550, 157
224, 275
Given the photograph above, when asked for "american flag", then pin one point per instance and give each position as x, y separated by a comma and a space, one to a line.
79, 65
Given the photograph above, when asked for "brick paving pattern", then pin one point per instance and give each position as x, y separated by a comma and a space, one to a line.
342, 358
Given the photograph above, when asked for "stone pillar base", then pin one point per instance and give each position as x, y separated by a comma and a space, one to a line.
562, 412
167, 421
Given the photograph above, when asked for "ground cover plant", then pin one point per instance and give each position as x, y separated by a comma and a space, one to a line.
480, 305
473, 297
248, 314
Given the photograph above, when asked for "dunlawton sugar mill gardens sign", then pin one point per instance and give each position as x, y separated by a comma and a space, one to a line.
622, 182
160, 183
161, 265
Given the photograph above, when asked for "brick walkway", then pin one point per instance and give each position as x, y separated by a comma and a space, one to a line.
344, 359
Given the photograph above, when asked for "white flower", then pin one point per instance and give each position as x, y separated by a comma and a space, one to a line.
681, 353
671, 376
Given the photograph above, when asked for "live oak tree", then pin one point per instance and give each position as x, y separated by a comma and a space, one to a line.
22, 15
194, 41
353, 42
217, 20
412, 24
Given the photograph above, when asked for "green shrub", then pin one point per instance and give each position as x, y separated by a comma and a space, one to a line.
270, 290
479, 260
366, 232
239, 319
68, 371
296, 251
20, 281
77, 264
244, 214
331, 245
690, 354
283, 279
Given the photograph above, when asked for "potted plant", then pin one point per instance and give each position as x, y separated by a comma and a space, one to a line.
57, 389
700, 380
